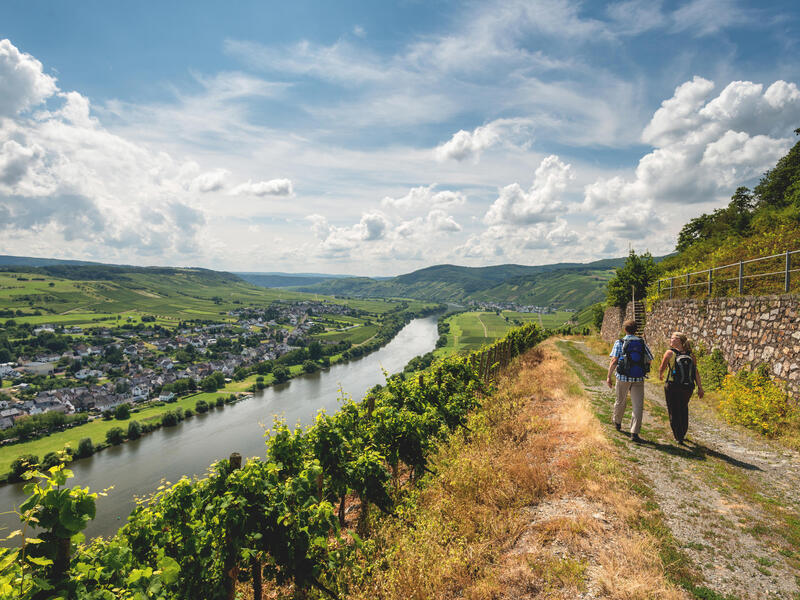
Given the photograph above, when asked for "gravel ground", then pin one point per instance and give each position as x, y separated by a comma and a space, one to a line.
731, 498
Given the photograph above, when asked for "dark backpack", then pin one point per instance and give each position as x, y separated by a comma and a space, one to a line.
633, 362
682, 370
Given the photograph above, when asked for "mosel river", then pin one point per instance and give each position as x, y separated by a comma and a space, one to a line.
137, 468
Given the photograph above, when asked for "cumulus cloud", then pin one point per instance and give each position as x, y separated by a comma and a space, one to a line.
704, 146
210, 181
466, 144
424, 197
63, 177
273, 187
22, 81
542, 201
381, 236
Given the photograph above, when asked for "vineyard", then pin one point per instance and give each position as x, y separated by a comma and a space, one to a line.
282, 517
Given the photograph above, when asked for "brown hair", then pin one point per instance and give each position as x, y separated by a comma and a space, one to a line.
687, 345
629, 326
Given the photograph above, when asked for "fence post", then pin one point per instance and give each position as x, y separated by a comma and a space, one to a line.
659, 287
687, 285
741, 277
787, 279
709, 281
671, 283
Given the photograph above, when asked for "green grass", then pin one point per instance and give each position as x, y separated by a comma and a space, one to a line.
182, 294
96, 430
471, 330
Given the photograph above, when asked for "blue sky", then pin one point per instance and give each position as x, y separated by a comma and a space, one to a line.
376, 138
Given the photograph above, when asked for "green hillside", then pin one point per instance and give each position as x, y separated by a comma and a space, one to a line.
567, 285
77, 295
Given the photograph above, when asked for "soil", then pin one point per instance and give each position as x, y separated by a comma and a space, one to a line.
730, 497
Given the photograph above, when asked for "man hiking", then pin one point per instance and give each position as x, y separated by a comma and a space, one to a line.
630, 362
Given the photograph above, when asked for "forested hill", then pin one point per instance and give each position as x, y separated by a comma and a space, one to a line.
567, 285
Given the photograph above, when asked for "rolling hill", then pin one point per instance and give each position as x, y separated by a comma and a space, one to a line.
565, 285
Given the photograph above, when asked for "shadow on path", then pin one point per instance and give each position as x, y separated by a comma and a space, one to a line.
694, 451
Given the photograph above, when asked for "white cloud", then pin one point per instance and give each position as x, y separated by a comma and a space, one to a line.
22, 82
210, 181
705, 147
541, 203
707, 17
273, 187
64, 177
464, 144
423, 197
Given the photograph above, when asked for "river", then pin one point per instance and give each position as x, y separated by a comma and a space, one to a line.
137, 468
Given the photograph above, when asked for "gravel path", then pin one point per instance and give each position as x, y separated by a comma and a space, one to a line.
731, 499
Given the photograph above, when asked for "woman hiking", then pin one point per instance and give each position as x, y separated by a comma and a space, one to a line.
681, 379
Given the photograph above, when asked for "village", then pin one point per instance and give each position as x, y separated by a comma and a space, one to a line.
100, 368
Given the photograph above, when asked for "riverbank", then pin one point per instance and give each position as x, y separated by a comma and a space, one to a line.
150, 417
137, 468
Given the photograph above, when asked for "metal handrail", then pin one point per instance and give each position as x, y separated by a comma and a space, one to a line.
786, 272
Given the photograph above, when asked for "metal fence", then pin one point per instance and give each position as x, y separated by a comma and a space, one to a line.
763, 275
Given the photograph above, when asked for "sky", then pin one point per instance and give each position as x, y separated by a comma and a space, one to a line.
377, 138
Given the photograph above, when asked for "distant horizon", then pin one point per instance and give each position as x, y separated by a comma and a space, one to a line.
375, 138
290, 274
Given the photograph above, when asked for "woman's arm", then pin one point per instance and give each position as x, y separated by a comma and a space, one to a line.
700, 392
664, 363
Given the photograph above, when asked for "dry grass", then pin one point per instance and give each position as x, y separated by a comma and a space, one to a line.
533, 503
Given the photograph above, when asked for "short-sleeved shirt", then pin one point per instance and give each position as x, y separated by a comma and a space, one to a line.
616, 352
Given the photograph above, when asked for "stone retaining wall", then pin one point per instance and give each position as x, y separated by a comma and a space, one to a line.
749, 330
613, 319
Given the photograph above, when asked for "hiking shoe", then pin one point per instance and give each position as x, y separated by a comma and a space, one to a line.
635, 437
618, 426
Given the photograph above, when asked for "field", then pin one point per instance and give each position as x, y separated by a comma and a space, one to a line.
170, 297
471, 330
546, 321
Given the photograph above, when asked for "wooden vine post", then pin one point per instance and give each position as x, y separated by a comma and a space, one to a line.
231, 564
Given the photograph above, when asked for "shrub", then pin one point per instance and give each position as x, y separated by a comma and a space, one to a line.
169, 419
115, 436
188, 413
134, 430
201, 406
220, 401
309, 366
85, 448
752, 399
108, 415
713, 369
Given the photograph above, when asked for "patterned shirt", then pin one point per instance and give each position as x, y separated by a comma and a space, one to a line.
616, 352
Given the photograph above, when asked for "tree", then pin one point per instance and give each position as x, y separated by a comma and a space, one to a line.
122, 412
134, 430
115, 436
637, 273
315, 350
21, 464
280, 373
309, 366
201, 406
85, 448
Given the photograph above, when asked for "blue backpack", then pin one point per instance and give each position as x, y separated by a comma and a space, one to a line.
633, 362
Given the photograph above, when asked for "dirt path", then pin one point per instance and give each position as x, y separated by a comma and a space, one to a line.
485, 331
731, 499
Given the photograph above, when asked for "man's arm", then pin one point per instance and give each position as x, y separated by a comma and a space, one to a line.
611, 366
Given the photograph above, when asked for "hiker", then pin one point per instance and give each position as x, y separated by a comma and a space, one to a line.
681, 378
630, 361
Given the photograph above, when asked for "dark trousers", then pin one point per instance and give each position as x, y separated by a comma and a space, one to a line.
678, 407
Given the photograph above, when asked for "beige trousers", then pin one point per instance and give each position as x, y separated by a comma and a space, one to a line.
636, 388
